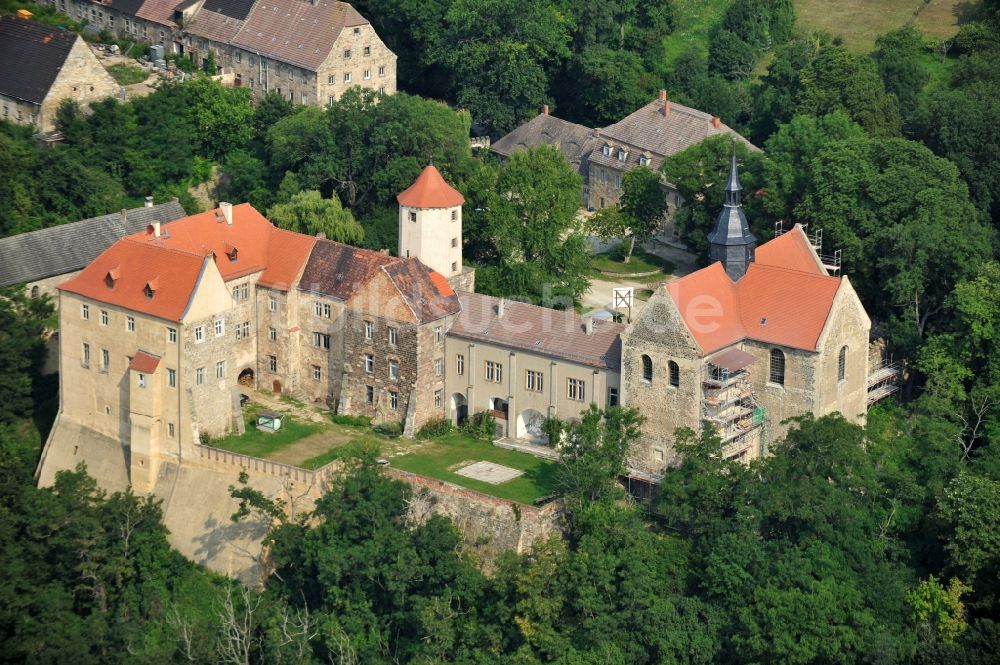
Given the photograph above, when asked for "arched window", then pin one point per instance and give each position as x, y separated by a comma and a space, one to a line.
842, 364
647, 369
34, 291
675, 374
777, 367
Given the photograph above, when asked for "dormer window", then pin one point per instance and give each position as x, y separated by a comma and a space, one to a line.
150, 289
622, 154
112, 277
231, 252
607, 150
644, 160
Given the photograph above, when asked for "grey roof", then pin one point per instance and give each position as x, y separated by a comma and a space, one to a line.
574, 141
548, 332
662, 135
58, 250
31, 57
731, 227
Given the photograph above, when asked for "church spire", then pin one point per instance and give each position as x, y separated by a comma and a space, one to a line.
731, 242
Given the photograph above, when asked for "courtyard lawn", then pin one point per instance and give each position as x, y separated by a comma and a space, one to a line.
441, 457
128, 74
641, 262
256, 443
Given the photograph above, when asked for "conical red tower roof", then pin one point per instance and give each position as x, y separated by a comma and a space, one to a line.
430, 190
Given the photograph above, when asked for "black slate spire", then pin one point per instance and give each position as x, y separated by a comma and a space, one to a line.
731, 241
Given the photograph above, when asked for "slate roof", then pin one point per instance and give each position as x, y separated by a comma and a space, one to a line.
430, 190
574, 141
31, 57
426, 292
58, 250
784, 299
659, 135
214, 25
339, 270
238, 9
157, 11
296, 31
554, 333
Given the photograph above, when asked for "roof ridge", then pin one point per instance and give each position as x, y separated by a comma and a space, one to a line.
768, 266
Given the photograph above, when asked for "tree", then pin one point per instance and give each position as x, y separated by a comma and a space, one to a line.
643, 204
22, 349
939, 610
223, 116
970, 510
308, 212
530, 218
595, 452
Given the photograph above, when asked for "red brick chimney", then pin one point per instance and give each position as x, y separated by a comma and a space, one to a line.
545, 109
716, 122
665, 103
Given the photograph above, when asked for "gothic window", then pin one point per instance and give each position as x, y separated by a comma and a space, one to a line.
675, 374
647, 369
777, 374
842, 364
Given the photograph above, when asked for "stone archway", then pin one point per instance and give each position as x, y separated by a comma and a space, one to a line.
459, 409
277, 387
529, 427
246, 378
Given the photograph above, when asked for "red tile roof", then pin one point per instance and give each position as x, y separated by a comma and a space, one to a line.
787, 306
339, 270
140, 265
171, 264
426, 292
430, 190
144, 362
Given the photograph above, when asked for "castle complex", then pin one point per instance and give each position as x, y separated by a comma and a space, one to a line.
162, 331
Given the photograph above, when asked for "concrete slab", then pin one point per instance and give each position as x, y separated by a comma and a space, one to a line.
488, 472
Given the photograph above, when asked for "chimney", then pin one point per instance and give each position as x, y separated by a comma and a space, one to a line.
663, 96
545, 109
154, 229
149, 202
588, 325
124, 214
321, 235
500, 308
715, 121
227, 211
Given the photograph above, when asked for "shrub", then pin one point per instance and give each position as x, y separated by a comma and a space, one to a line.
392, 428
353, 421
435, 427
481, 425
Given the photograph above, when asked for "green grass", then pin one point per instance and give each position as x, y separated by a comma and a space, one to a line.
641, 262
261, 444
695, 21
324, 459
127, 74
441, 457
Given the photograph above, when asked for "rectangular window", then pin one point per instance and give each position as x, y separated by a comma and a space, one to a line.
618, 180
459, 364
412, 216
347, 53
85, 311
105, 360
347, 77
272, 333
381, 71
438, 398
438, 366
393, 400
368, 74
533, 381
321, 340
220, 369
272, 303
331, 80
393, 370
142, 380
236, 293
272, 363
454, 242
172, 335
220, 327
369, 330
104, 317
86, 355
367, 50
317, 372
369, 394
454, 266
130, 323
170, 430
438, 333
454, 218
243, 330
369, 364
199, 334
199, 376
612, 397
494, 372
172, 378
575, 390
322, 309
393, 336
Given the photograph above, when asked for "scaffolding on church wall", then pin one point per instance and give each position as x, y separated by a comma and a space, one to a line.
729, 406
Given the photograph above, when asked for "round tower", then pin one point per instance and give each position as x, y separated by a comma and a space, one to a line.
430, 223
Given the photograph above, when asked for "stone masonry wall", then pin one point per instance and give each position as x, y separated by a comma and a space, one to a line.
356, 40
82, 78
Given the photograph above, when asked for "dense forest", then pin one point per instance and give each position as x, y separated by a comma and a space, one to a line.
877, 544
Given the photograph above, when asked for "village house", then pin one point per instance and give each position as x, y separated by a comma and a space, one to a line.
41, 65
602, 156
307, 51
